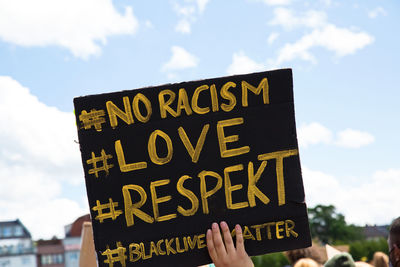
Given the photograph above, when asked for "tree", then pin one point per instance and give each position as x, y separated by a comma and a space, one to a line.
271, 260
367, 248
330, 226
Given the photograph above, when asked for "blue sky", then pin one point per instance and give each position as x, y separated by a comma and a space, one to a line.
344, 56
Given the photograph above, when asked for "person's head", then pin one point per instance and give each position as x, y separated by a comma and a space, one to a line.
380, 259
394, 243
297, 254
306, 262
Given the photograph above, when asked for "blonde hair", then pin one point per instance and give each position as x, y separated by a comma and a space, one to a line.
306, 262
380, 259
310, 252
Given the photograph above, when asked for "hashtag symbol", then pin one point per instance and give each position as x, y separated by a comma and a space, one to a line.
93, 118
111, 214
115, 255
103, 159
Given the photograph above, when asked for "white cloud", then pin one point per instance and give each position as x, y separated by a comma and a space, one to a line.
201, 5
180, 59
272, 37
341, 41
183, 26
318, 185
326, 2
172, 76
297, 50
374, 200
188, 11
34, 131
77, 25
276, 2
149, 24
37, 157
43, 218
354, 139
313, 134
289, 20
243, 64
376, 12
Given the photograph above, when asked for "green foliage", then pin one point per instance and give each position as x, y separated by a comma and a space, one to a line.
330, 227
270, 260
367, 248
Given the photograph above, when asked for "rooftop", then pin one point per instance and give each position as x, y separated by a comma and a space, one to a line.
13, 229
52, 246
376, 231
75, 229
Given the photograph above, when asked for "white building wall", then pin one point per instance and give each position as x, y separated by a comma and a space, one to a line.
72, 246
28, 260
71, 258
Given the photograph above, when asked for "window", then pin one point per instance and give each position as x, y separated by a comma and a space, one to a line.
72, 257
7, 249
26, 261
59, 258
52, 259
5, 263
18, 231
7, 231
20, 248
46, 259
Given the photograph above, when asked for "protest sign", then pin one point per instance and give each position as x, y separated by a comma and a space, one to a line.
162, 163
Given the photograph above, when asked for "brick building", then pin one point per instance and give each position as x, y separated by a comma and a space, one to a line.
50, 253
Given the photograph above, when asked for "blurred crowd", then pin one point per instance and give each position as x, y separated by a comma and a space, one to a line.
311, 257
224, 253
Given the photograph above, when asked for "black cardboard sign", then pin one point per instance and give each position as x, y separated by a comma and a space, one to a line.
163, 163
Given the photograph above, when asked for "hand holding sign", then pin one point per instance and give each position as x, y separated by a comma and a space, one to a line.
224, 254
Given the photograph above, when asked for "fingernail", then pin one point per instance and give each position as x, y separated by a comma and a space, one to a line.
238, 228
214, 226
224, 224
208, 231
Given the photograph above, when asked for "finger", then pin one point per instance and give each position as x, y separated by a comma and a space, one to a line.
210, 246
219, 245
239, 239
227, 238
